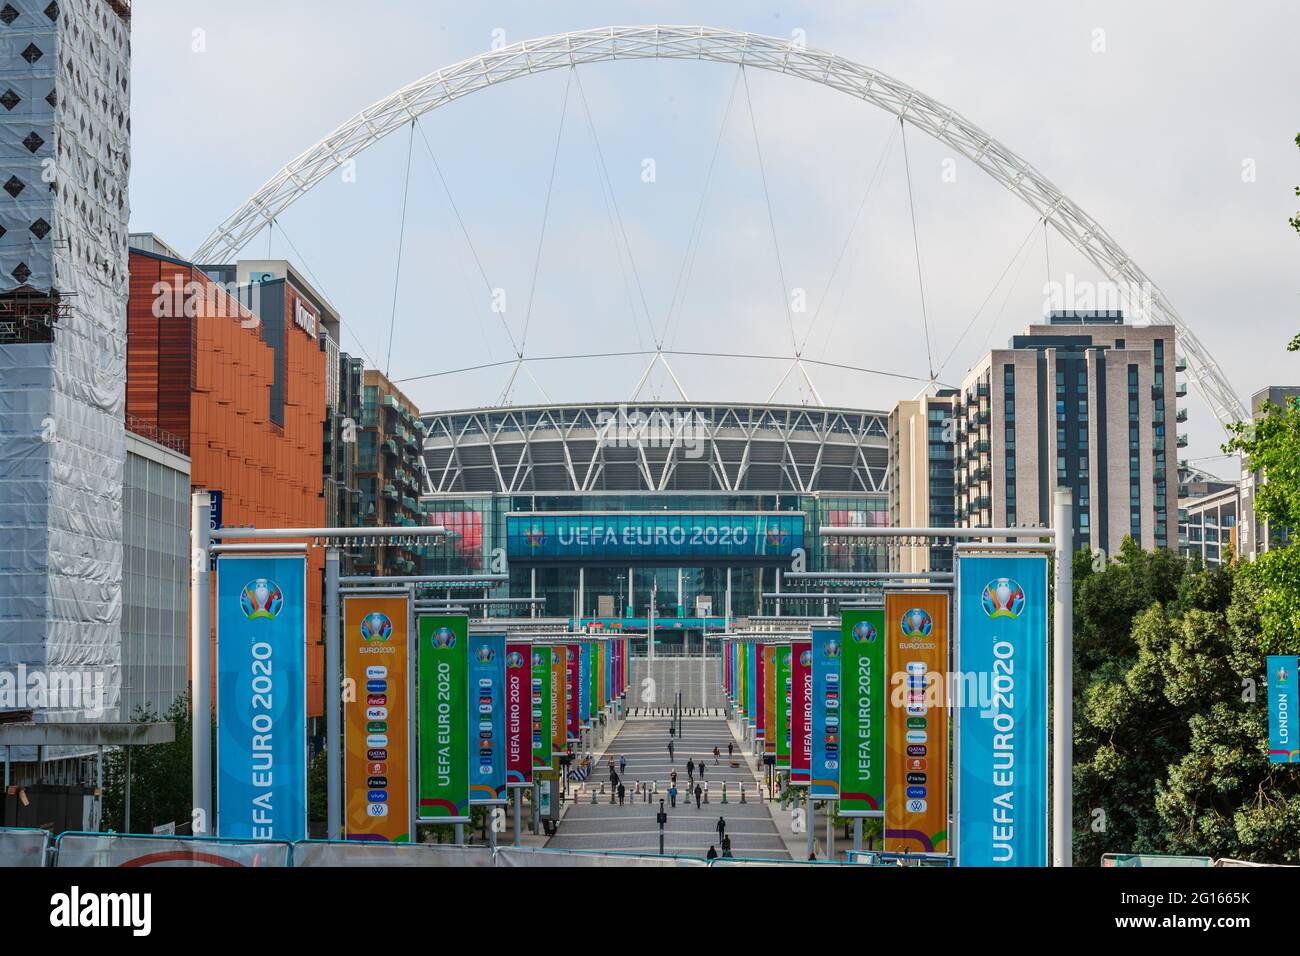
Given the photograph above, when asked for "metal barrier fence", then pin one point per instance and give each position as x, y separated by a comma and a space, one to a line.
111, 849
20, 846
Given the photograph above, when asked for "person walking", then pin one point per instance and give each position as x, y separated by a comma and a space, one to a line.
726, 847
670, 750
700, 768
672, 795
690, 769
730, 750
716, 754
622, 765
672, 776
699, 795
712, 854
721, 827
621, 791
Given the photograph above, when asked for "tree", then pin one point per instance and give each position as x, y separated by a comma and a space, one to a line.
160, 776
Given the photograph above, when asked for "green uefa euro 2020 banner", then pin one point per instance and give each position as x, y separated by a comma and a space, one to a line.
443, 708
862, 712
783, 698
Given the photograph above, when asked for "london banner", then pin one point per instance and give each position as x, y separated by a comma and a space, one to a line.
519, 715
862, 718
1282, 746
915, 632
487, 716
261, 697
376, 779
442, 658
800, 712
1002, 693
825, 714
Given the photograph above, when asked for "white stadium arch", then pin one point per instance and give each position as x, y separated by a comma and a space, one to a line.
738, 49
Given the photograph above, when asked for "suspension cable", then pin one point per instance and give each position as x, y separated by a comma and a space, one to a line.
401, 243
916, 245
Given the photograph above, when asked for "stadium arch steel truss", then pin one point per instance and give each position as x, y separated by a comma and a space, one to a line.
656, 447
775, 54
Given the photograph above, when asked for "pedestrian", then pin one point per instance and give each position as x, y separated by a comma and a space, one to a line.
672, 730
622, 765
721, 827
726, 847
700, 768
620, 794
690, 769
730, 748
699, 794
672, 795
672, 776
712, 854
716, 753
670, 750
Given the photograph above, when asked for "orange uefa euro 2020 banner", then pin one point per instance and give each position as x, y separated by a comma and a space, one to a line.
916, 722
769, 698
376, 771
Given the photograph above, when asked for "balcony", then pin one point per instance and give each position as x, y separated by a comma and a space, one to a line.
1180, 363
1182, 440
1180, 415
389, 447
1180, 390
390, 492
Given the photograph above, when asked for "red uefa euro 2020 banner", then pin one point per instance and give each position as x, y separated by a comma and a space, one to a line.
519, 709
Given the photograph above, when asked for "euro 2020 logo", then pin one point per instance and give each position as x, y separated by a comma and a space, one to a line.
917, 623
539, 659
261, 600
864, 632
514, 660
805, 658
376, 627
831, 648
444, 637
485, 654
1003, 597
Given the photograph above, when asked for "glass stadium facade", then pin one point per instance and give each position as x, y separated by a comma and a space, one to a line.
602, 510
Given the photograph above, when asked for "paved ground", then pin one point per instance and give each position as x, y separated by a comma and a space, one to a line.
690, 831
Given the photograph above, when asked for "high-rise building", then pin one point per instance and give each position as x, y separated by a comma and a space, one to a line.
922, 474
236, 374
390, 472
1085, 402
1256, 535
65, 98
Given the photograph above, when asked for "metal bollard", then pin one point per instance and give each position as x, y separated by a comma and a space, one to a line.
593, 798
724, 791
706, 793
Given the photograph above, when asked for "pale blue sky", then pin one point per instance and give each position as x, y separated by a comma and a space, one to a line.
1149, 136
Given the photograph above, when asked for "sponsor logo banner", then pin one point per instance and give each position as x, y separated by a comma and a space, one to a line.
540, 682
261, 697
862, 718
443, 712
825, 714
915, 629
519, 714
487, 718
376, 648
1002, 739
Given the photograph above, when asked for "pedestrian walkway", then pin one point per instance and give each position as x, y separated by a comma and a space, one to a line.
690, 831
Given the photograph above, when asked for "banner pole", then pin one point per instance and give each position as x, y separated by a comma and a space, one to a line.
201, 667
1062, 685
333, 698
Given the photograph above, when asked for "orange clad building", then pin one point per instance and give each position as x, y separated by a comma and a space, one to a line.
245, 395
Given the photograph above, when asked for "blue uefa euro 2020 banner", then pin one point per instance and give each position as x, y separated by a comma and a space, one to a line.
261, 697
634, 536
1002, 706
1282, 746
487, 718
825, 714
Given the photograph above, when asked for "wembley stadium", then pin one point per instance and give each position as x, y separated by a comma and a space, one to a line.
602, 510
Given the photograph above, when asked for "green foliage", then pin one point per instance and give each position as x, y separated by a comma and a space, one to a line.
1171, 723
160, 776
1271, 444
318, 787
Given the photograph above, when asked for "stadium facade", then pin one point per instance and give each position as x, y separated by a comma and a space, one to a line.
598, 509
